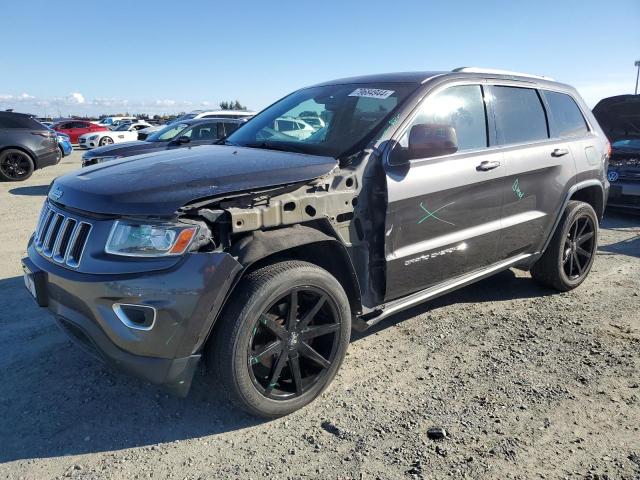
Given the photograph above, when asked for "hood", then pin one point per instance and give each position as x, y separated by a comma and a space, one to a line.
125, 149
619, 116
161, 183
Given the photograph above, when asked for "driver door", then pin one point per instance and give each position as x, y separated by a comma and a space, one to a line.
443, 213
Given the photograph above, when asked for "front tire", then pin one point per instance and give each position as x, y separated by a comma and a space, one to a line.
105, 141
569, 256
15, 165
282, 338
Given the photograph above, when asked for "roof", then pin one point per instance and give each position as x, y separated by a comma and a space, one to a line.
400, 77
422, 77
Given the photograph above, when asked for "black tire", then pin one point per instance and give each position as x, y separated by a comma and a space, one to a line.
569, 256
61, 154
258, 316
15, 165
105, 141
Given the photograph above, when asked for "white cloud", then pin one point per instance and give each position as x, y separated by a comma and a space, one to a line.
77, 104
24, 97
77, 97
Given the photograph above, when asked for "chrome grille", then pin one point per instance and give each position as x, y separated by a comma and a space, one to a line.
61, 237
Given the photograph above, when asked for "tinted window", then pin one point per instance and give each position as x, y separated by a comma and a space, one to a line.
460, 107
230, 127
520, 117
566, 119
9, 120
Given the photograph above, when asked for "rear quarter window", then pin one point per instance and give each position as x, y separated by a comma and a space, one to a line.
20, 121
519, 115
565, 119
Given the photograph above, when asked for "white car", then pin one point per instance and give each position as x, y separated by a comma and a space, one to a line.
238, 114
110, 121
127, 132
293, 127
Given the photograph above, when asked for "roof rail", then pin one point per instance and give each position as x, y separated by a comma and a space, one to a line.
499, 72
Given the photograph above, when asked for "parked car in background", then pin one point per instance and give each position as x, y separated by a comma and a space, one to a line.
183, 134
619, 117
76, 128
316, 122
108, 122
293, 127
25, 145
64, 144
196, 114
125, 132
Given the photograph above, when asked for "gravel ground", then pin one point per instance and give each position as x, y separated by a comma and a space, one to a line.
526, 383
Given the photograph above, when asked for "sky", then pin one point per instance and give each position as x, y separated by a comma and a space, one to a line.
90, 58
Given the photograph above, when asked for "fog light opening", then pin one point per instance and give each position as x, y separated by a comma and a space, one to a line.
138, 317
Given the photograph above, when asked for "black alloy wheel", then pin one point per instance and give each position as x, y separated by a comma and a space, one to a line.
15, 165
579, 247
294, 343
570, 254
281, 338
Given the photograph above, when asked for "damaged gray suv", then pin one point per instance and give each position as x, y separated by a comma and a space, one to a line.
260, 254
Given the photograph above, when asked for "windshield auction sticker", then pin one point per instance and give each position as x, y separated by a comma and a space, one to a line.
371, 93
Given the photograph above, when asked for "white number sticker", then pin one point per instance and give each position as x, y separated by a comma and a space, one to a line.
371, 93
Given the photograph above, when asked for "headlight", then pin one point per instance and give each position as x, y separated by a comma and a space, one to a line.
93, 137
132, 239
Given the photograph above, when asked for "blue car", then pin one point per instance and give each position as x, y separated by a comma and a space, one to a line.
64, 144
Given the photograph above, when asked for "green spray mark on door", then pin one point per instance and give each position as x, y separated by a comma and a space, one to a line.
516, 189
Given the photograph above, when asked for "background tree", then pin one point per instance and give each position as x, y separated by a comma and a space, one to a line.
232, 105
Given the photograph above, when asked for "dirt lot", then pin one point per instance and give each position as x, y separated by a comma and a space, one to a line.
527, 383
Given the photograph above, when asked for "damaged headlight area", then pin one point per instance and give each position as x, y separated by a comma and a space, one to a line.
133, 239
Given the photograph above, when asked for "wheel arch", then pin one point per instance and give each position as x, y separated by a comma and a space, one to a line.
22, 149
300, 242
297, 242
588, 191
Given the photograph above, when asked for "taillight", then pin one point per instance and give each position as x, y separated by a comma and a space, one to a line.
609, 149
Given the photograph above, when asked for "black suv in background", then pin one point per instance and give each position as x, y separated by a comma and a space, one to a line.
25, 145
260, 254
187, 133
619, 117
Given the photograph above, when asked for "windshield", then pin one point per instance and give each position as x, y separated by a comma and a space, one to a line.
122, 127
629, 143
347, 115
167, 133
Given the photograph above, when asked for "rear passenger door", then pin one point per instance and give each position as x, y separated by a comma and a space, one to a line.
537, 167
443, 213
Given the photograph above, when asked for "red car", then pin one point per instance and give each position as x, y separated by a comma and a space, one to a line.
75, 128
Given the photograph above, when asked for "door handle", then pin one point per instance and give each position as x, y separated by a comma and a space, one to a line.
486, 165
559, 152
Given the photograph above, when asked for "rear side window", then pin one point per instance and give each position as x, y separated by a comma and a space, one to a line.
565, 119
520, 117
8, 120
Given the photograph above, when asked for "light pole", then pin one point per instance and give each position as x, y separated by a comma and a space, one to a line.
637, 64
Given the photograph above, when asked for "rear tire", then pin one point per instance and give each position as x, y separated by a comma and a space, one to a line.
15, 165
269, 361
569, 256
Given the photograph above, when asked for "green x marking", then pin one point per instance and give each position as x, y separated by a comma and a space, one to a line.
433, 214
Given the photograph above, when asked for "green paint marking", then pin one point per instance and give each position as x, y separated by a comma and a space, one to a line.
516, 189
430, 214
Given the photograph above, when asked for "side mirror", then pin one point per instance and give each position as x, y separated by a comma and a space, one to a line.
431, 141
182, 140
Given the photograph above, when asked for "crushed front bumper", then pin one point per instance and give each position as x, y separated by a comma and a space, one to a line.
186, 299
